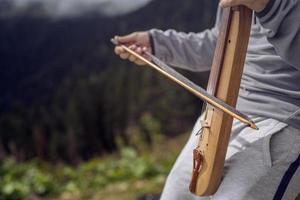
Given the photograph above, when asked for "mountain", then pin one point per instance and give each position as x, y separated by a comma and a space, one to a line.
60, 82
36, 54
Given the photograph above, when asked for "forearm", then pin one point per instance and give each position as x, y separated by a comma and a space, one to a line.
192, 51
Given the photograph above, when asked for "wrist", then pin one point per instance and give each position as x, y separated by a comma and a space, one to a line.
151, 42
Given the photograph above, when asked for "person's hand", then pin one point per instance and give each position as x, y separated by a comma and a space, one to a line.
256, 5
138, 42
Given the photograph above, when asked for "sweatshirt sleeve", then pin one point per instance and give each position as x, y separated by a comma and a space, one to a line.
282, 18
191, 51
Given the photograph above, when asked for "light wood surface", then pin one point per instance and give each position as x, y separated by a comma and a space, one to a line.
214, 140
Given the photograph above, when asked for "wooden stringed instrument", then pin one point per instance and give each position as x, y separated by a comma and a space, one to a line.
224, 83
221, 96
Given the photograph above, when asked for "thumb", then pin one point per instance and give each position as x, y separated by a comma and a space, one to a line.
229, 3
131, 38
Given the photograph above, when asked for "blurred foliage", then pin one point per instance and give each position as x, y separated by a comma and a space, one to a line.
39, 179
20, 180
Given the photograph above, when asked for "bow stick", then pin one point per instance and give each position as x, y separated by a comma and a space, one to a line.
170, 73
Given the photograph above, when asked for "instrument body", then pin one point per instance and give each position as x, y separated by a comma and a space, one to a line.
224, 83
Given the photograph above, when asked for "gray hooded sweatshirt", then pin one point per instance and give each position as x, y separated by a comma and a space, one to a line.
270, 85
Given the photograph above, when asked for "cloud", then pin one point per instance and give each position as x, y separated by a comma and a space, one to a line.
69, 8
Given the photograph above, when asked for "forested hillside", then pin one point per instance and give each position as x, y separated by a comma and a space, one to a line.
66, 96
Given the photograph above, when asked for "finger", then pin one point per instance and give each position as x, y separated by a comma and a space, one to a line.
132, 58
140, 62
124, 55
131, 38
139, 50
147, 57
133, 47
229, 3
145, 49
119, 50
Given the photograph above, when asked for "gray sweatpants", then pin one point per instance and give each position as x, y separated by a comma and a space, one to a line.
260, 165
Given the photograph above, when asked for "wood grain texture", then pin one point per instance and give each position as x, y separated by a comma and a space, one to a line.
213, 142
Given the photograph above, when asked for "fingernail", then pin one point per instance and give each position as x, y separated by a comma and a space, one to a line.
222, 3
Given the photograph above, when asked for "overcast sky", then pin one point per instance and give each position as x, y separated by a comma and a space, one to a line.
70, 8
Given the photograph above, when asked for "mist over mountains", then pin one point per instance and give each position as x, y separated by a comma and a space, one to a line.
68, 8
37, 53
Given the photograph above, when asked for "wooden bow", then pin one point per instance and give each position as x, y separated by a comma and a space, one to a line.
224, 83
